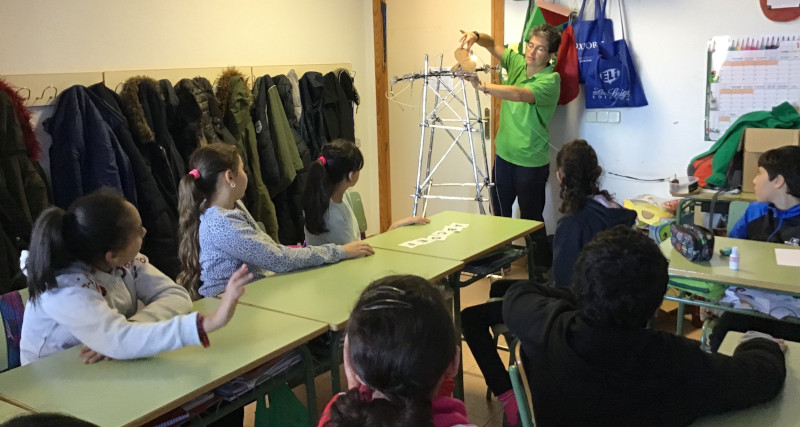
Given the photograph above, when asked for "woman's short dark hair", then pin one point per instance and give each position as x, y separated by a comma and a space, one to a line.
620, 278
401, 341
784, 161
550, 34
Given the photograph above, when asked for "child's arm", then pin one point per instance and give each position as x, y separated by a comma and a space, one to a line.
409, 221
88, 317
219, 318
162, 297
234, 236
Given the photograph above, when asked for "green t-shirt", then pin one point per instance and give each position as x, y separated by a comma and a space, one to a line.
523, 136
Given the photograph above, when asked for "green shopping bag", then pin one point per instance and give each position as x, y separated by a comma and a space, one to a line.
284, 410
533, 18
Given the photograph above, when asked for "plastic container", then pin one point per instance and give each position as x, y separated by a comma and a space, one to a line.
683, 186
733, 261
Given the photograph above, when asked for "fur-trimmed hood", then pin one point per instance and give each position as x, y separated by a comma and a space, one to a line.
133, 107
24, 119
224, 88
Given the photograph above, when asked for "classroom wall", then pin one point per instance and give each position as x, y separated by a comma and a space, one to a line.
52, 36
414, 28
668, 39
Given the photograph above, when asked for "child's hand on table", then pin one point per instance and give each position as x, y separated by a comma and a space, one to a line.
409, 221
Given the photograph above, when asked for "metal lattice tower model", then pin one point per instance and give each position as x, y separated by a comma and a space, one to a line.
455, 119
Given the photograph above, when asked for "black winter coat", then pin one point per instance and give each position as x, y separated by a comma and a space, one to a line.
146, 117
312, 122
23, 190
85, 154
337, 110
161, 242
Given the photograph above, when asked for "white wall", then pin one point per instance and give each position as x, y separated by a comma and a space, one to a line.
414, 28
668, 39
53, 36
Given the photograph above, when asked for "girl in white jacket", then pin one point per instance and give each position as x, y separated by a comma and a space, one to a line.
86, 278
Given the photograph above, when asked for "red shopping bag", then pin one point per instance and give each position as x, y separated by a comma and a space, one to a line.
567, 67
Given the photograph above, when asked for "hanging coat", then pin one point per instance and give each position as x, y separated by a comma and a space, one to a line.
312, 123
160, 244
198, 117
235, 102
86, 154
145, 112
287, 210
337, 110
23, 190
286, 93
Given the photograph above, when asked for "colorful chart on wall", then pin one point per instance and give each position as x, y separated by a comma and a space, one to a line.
746, 74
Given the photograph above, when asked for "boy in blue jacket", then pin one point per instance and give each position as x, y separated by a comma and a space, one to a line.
775, 218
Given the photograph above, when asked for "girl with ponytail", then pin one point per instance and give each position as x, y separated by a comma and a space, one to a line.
86, 279
399, 347
218, 235
328, 214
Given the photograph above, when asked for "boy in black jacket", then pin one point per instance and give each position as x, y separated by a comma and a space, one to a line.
590, 360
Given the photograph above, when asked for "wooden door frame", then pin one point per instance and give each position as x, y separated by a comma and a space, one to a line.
382, 104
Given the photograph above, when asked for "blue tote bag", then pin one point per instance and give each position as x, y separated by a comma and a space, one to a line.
613, 81
588, 36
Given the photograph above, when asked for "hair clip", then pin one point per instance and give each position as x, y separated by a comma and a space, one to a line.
386, 303
195, 173
322, 160
384, 289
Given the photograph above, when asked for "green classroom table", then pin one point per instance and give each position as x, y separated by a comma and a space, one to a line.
783, 411
485, 234
8, 411
758, 269
327, 294
130, 393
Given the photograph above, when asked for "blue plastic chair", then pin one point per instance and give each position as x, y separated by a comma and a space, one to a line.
522, 390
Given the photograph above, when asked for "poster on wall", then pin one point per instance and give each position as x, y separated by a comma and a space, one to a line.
746, 74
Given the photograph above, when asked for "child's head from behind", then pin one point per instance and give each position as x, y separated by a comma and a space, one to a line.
620, 278
578, 173
778, 174
217, 170
339, 164
101, 229
400, 343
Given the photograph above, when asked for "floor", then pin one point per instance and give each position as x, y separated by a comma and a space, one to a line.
482, 412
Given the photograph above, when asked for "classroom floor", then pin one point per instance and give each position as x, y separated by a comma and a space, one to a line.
481, 412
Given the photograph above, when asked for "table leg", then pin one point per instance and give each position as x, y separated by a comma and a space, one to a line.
455, 286
529, 255
311, 390
336, 360
681, 312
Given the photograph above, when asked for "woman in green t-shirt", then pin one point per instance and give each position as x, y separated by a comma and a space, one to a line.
529, 97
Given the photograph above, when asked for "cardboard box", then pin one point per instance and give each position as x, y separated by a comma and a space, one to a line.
756, 142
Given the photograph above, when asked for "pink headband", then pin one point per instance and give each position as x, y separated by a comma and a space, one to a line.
195, 173
322, 160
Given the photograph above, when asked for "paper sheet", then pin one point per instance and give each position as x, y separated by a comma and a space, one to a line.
788, 257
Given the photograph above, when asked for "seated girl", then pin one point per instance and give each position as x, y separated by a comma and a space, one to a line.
329, 216
218, 235
86, 278
587, 211
400, 346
